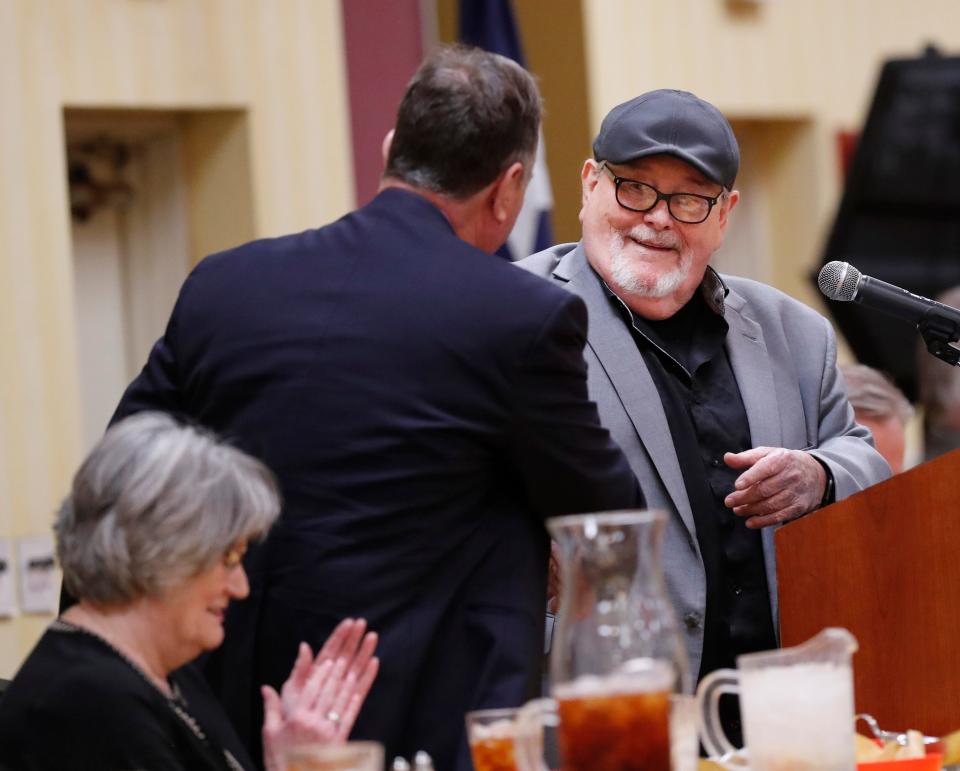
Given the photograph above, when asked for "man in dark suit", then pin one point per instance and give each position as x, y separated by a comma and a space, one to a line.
424, 405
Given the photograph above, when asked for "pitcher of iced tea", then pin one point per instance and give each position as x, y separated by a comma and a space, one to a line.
796, 706
617, 655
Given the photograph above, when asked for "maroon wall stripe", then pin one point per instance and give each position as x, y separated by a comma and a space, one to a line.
382, 39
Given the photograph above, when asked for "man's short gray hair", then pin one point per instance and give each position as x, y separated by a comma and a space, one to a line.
156, 502
873, 395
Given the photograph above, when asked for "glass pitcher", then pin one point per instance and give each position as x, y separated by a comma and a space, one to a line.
796, 705
617, 656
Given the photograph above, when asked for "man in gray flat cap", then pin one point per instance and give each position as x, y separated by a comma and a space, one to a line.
722, 392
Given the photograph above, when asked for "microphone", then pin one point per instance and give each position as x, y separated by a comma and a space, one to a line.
842, 282
938, 324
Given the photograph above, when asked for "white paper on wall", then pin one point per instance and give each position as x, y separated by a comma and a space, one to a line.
39, 578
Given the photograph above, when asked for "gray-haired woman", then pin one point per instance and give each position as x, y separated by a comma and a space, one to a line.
151, 540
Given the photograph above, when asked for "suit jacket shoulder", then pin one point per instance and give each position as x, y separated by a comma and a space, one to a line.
543, 263
762, 299
400, 247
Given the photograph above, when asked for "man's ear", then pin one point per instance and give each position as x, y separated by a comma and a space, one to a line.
733, 197
507, 192
385, 147
589, 177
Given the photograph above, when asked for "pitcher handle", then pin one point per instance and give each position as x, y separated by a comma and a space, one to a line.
715, 741
528, 739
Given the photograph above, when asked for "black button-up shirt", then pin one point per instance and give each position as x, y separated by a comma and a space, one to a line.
688, 361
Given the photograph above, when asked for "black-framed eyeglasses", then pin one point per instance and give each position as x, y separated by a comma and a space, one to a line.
689, 208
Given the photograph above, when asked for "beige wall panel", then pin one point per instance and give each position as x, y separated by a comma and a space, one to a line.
774, 57
38, 395
281, 61
176, 52
216, 157
39, 379
301, 117
100, 306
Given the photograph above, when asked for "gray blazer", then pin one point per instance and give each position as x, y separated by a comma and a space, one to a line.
783, 355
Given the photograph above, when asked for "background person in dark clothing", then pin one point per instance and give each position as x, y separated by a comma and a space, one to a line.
722, 392
424, 407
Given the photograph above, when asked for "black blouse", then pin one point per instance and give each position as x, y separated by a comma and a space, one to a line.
78, 703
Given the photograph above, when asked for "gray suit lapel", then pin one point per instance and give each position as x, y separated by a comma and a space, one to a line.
611, 341
752, 370
754, 374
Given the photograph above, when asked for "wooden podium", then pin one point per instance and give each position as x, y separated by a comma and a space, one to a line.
885, 564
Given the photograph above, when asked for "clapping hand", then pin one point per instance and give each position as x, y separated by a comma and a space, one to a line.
320, 701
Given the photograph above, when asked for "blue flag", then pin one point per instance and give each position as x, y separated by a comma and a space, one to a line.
490, 24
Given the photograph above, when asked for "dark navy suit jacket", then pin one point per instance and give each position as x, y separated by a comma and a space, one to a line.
424, 406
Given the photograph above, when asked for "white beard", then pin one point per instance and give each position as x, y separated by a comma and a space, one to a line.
627, 271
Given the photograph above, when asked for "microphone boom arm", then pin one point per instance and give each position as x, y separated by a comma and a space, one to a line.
938, 332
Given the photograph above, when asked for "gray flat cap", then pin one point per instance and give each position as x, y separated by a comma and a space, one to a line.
673, 123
